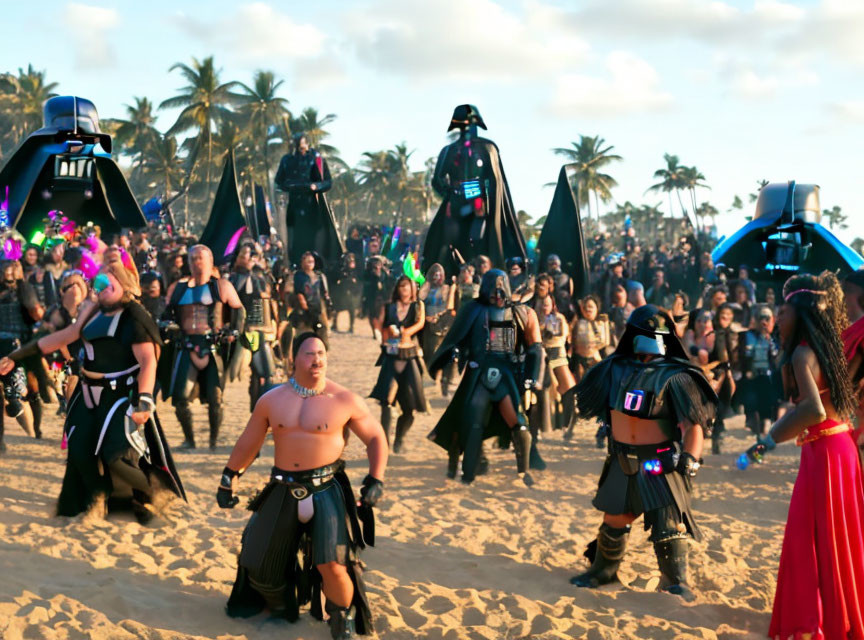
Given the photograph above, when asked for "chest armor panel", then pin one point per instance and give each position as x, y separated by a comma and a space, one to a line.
501, 331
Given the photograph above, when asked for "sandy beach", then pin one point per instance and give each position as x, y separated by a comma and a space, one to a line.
490, 561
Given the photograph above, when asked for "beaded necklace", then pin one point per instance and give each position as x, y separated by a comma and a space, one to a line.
302, 391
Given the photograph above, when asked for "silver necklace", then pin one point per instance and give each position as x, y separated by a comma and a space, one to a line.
302, 391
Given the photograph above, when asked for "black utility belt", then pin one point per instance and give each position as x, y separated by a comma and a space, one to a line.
653, 459
195, 341
122, 382
303, 483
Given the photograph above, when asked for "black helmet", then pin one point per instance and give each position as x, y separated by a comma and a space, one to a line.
495, 283
465, 115
651, 331
515, 260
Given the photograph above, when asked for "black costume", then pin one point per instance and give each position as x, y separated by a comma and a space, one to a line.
650, 479
313, 512
16, 299
203, 306
347, 291
497, 363
104, 445
402, 368
310, 221
374, 296
761, 388
316, 291
254, 291
476, 214
439, 319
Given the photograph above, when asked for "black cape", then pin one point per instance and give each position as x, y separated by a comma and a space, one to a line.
256, 218
308, 215
562, 236
101, 196
453, 419
227, 222
449, 231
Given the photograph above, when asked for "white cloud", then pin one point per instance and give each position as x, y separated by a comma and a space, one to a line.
459, 39
631, 86
88, 29
256, 33
848, 110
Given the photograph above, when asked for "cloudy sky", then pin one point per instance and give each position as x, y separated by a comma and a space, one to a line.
743, 90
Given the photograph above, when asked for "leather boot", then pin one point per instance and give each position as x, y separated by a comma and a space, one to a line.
184, 417
672, 560
342, 626
534, 460
36, 407
611, 544
215, 414
386, 420
403, 424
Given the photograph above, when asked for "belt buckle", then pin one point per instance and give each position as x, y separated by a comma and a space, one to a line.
299, 492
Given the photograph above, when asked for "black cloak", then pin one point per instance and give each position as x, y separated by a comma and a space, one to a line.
562, 236
308, 216
472, 158
67, 166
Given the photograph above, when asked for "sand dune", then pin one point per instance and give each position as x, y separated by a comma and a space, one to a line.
481, 562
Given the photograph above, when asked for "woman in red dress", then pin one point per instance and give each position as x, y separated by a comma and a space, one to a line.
820, 585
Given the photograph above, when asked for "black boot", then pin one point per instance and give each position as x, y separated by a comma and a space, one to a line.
600, 436
215, 415
483, 464
672, 560
611, 544
184, 417
521, 436
534, 460
403, 424
717, 438
342, 625
36, 407
386, 420
569, 411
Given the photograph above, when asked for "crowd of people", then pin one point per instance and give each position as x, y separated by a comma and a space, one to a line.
661, 352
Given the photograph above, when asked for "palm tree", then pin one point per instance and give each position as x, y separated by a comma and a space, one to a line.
692, 178
137, 132
836, 217
264, 111
21, 100
706, 210
671, 179
309, 123
162, 167
587, 157
204, 101
374, 174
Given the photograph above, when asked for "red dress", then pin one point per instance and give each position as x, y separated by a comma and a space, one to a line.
820, 584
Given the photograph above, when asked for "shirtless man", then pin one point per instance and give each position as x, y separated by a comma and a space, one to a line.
196, 305
310, 418
657, 405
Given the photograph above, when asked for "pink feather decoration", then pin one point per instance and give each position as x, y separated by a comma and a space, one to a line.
126, 259
232, 243
12, 249
87, 265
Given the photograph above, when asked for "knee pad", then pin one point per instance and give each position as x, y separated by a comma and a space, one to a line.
14, 407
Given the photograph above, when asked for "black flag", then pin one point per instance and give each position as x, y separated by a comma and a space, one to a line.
562, 236
227, 222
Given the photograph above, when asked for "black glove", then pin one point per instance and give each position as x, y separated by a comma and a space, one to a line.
687, 465
225, 494
371, 491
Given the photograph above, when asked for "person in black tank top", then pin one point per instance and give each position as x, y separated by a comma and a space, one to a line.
401, 377
112, 432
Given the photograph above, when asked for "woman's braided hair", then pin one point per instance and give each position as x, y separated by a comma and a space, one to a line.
820, 319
